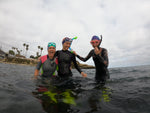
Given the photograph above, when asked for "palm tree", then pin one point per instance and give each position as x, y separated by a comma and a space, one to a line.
19, 51
16, 49
41, 50
27, 48
38, 48
24, 45
26, 51
37, 54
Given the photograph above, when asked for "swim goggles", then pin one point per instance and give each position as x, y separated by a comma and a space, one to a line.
66, 39
51, 44
95, 41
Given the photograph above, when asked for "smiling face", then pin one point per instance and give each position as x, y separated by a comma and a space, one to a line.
66, 45
51, 50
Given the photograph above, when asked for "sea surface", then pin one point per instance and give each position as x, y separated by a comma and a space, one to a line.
127, 91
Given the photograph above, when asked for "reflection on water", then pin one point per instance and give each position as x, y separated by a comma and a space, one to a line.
106, 94
63, 96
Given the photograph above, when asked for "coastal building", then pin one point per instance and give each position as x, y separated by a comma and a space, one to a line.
3, 54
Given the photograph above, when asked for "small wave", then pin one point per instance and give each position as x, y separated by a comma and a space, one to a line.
135, 104
144, 78
121, 80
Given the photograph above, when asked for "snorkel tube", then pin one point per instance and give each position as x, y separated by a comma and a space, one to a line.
101, 39
71, 43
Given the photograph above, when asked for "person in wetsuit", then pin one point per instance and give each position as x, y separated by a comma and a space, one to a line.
100, 58
47, 62
65, 58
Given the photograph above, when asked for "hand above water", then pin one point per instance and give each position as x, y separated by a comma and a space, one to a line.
97, 51
75, 53
34, 77
83, 74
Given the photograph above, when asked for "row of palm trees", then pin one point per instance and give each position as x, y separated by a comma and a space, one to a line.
26, 48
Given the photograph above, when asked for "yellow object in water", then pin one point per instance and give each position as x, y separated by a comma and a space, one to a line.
68, 99
51, 95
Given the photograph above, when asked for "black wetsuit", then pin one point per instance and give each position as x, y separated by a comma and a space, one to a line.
64, 63
101, 69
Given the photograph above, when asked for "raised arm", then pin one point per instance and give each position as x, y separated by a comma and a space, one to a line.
86, 58
77, 67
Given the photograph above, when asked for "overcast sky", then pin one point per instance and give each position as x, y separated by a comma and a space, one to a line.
124, 24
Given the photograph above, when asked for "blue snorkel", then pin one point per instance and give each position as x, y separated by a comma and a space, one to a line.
71, 43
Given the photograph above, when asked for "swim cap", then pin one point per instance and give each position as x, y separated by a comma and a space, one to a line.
95, 38
51, 44
66, 39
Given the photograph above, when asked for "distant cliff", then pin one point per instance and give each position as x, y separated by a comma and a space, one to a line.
33, 62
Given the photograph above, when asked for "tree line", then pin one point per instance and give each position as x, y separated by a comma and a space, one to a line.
18, 52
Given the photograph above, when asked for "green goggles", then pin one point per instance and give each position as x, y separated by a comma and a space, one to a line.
51, 44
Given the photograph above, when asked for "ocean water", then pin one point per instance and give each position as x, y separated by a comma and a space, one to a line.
127, 91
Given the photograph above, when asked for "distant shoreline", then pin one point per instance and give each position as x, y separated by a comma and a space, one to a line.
15, 63
19, 61
33, 62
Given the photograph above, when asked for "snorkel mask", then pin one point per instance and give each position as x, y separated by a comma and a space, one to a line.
96, 39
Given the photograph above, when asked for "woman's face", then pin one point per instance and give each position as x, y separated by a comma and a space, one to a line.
51, 50
95, 43
66, 45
